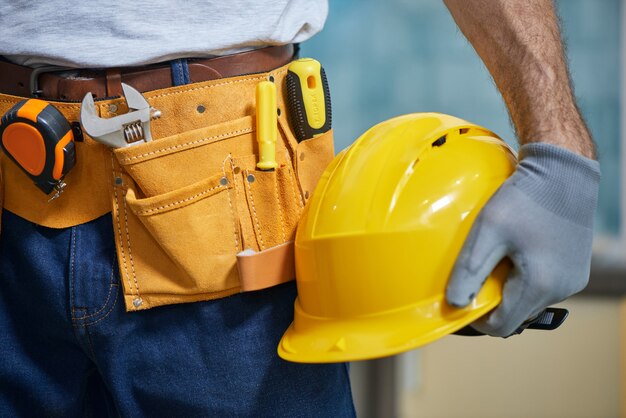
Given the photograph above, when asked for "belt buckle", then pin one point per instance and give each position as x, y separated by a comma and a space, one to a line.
37, 72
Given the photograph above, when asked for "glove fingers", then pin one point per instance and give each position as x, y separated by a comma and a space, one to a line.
481, 252
515, 308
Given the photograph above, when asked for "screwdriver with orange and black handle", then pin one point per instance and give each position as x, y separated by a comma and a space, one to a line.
308, 99
39, 139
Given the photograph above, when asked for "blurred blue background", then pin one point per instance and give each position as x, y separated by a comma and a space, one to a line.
386, 58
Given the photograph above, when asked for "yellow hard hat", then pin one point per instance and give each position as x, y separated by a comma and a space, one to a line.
380, 235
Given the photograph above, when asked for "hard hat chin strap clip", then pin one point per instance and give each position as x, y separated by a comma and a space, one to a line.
548, 320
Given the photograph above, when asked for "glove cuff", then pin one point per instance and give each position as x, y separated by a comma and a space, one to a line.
563, 182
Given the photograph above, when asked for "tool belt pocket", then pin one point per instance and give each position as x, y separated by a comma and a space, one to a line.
312, 157
186, 205
268, 203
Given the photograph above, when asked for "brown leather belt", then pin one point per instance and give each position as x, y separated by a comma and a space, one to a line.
24, 81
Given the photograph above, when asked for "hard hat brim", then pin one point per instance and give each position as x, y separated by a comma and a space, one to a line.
312, 339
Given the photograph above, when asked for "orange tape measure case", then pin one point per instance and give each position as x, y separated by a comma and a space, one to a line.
39, 139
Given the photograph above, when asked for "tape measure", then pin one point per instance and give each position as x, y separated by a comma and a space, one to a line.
39, 139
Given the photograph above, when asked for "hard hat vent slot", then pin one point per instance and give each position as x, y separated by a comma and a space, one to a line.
463, 131
439, 142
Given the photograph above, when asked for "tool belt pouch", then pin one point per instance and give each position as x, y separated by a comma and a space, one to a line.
186, 205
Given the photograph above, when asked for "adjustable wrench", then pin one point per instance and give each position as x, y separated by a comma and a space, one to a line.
119, 131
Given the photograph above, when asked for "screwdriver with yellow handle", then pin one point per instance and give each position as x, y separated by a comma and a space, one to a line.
39, 139
266, 124
308, 99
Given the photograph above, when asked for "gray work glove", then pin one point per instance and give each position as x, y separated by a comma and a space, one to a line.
542, 219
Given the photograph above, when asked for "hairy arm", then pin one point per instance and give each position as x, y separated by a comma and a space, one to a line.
519, 41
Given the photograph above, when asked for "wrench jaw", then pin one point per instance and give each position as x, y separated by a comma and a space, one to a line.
96, 127
88, 117
123, 130
134, 99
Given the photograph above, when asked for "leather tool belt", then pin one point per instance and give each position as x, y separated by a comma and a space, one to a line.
186, 204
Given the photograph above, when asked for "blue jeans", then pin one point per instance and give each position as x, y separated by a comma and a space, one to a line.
69, 349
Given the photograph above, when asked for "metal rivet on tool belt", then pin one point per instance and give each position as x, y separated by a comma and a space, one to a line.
223, 181
251, 178
200, 109
118, 180
112, 108
137, 302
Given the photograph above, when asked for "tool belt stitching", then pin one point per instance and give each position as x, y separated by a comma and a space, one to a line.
230, 201
256, 217
236, 188
280, 210
130, 251
182, 89
119, 230
195, 142
169, 206
293, 187
58, 105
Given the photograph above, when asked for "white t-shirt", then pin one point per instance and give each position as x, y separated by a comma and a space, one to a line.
97, 33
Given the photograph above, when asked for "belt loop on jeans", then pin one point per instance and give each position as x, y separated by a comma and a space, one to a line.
114, 82
180, 72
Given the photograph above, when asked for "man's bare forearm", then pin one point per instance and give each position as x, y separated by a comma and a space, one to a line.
519, 41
